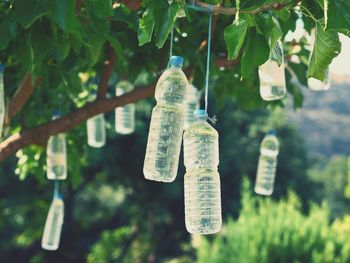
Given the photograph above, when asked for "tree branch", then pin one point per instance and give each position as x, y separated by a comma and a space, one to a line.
107, 72
22, 94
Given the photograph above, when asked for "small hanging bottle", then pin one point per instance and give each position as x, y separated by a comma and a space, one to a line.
202, 180
318, 85
272, 76
124, 116
96, 131
2, 98
165, 133
57, 155
53, 226
191, 104
266, 172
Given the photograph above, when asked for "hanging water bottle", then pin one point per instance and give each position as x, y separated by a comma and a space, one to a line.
57, 155
124, 116
191, 104
319, 85
165, 133
265, 177
96, 131
272, 76
2, 98
53, 226
202, 180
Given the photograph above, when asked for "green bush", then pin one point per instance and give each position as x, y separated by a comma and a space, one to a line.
270, 231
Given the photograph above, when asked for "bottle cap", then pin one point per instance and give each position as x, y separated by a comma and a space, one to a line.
176, 61
2, 68
200, 114
56, 113
271, 132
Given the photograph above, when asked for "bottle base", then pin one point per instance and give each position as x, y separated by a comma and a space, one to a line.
96, 144
124, 131
48, 247
158, 178
262, 191
203, 230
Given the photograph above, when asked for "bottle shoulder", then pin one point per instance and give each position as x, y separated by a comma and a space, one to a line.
200, 127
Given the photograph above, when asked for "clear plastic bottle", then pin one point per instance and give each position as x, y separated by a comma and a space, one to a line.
191, 104
266, 173
57, 156
96, 131
2, 98
124, 116
202, 180
272, 77
53, 226
165, 133
319, 85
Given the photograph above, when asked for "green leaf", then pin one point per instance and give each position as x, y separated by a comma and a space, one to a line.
327, 46
271, 28
276, 53
256, 52
101, 8
8, 30
28, 11
64, 14
146, 27
339, 15
234, 37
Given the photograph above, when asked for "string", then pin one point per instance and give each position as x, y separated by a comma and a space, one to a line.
56, 192
208, 60
171, 41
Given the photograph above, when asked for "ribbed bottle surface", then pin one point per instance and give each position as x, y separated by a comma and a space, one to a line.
57, 157
318, 85
53, 226
191, 104
165, 133
96, 131
124, 116
266, 172
202, 180
2, 103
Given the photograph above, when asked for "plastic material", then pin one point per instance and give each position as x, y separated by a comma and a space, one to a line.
165, 133
202, 180
319, 85
124, 116
192, 104
266, 173
176, 61
57, 157
96, 131
272, 77
53, 226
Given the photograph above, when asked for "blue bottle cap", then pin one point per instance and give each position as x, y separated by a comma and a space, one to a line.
200, 114
176, 61
271, 132
56, 113
2, 68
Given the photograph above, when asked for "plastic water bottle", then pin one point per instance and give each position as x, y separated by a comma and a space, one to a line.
267, 164
191, 104
53, 226
319, 85
165, 133
124, 116
96, 131
57, 156
272, 77
2, 98
202, 180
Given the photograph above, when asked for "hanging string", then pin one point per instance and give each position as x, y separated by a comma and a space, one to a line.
171, 41
208, 60
56, 192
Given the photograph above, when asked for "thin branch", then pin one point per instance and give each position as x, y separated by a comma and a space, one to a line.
78, 6
107, 72
22, 94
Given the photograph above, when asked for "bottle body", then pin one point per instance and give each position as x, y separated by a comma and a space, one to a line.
191, 104
267, 164
2, 101
202, 180
53, 226
272, 76
319, 85
57, 157
165, 133
124, 116
96, 131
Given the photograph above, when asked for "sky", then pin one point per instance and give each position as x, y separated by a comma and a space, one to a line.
341, 64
